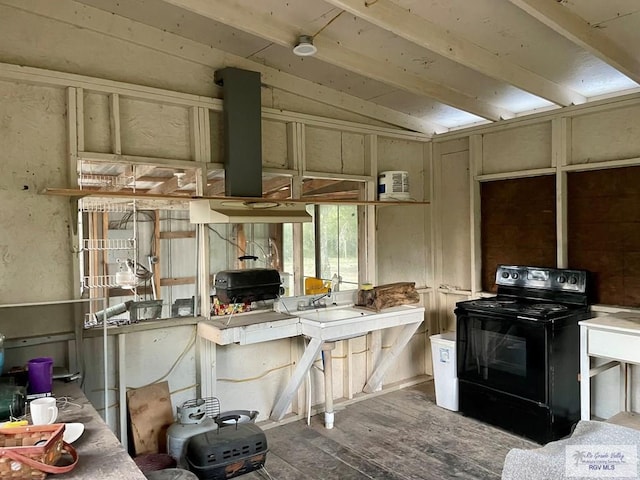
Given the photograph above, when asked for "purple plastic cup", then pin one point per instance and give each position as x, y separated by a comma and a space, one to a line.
40, 374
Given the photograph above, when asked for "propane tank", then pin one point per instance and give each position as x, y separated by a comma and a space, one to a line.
192, 420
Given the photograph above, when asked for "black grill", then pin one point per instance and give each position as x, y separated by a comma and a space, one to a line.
227, 452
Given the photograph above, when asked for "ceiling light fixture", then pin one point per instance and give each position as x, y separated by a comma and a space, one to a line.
305, 47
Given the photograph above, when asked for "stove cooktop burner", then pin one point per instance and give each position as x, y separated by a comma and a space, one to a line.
548, 307
489, 303
520, 307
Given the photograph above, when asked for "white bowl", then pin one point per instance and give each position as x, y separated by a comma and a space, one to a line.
72, 432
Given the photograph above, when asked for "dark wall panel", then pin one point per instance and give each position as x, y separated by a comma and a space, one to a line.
604, 231
518, 224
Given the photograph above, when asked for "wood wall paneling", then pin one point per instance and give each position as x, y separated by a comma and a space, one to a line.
604, 231
606, 135
454, 146
518, 224
454, 221
353, 158
155, 130
97, 131
396, 154
411, 361
250, 377
274, 144
523, 148
283, 100
333, 151
402, 232
323, 150
400, 244
35, 256
216, 130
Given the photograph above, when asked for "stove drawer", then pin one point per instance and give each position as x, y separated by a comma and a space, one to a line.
614, 345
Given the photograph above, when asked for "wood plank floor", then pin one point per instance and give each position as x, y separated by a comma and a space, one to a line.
398, 435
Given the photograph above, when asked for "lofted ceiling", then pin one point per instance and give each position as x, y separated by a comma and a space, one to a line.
425, 65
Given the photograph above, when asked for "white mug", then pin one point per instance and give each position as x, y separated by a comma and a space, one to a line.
43, 411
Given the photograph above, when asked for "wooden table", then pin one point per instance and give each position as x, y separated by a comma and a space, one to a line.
615, 338
101, 455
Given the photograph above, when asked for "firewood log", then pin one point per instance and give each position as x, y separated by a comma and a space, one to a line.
389, 295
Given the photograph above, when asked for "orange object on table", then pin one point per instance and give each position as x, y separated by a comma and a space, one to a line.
313, 286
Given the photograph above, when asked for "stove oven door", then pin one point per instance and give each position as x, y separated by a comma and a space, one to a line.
502, 353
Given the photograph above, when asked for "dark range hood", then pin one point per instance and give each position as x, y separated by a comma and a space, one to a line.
243, 160
242, 131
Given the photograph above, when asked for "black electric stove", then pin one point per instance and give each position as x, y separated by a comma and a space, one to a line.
525, 309
518, 352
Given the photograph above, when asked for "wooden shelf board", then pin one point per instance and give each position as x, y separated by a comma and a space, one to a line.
76, 193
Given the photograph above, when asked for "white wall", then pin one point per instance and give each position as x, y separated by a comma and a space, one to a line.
36, 248
601, 135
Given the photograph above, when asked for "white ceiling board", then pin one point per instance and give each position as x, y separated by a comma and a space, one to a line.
624, 30
320, 72
184, 23
598, 11
519, 39
351, 65
414, 59
433, 36
520, 101
591, 77
376, 92
560, 19
307, 16
427, 109
368, 64
138, 34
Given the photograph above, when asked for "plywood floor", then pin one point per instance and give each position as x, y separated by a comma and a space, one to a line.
398, 435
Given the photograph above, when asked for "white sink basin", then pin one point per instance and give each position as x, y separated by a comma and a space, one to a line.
349, 321
330, 315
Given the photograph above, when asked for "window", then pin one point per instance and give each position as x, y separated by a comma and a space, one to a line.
604, 232
518, 224
331, 244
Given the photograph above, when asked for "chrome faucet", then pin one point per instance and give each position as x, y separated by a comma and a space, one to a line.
314, 302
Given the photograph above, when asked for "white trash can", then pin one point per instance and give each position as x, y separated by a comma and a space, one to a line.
445, 375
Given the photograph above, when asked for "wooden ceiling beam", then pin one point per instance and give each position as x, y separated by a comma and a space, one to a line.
390, 16
96, 20
560, 19
333, 53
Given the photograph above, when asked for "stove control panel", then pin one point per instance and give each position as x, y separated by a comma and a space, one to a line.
539, 277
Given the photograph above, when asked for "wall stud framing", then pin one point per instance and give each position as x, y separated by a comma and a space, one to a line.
114, 121
475, 168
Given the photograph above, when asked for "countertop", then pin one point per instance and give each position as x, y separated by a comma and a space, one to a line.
626, 322
100, 453
246, 328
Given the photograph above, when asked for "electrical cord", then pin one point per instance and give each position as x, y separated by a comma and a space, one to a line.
191, 342
264, 471
249, 379
226, 239
249, 242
